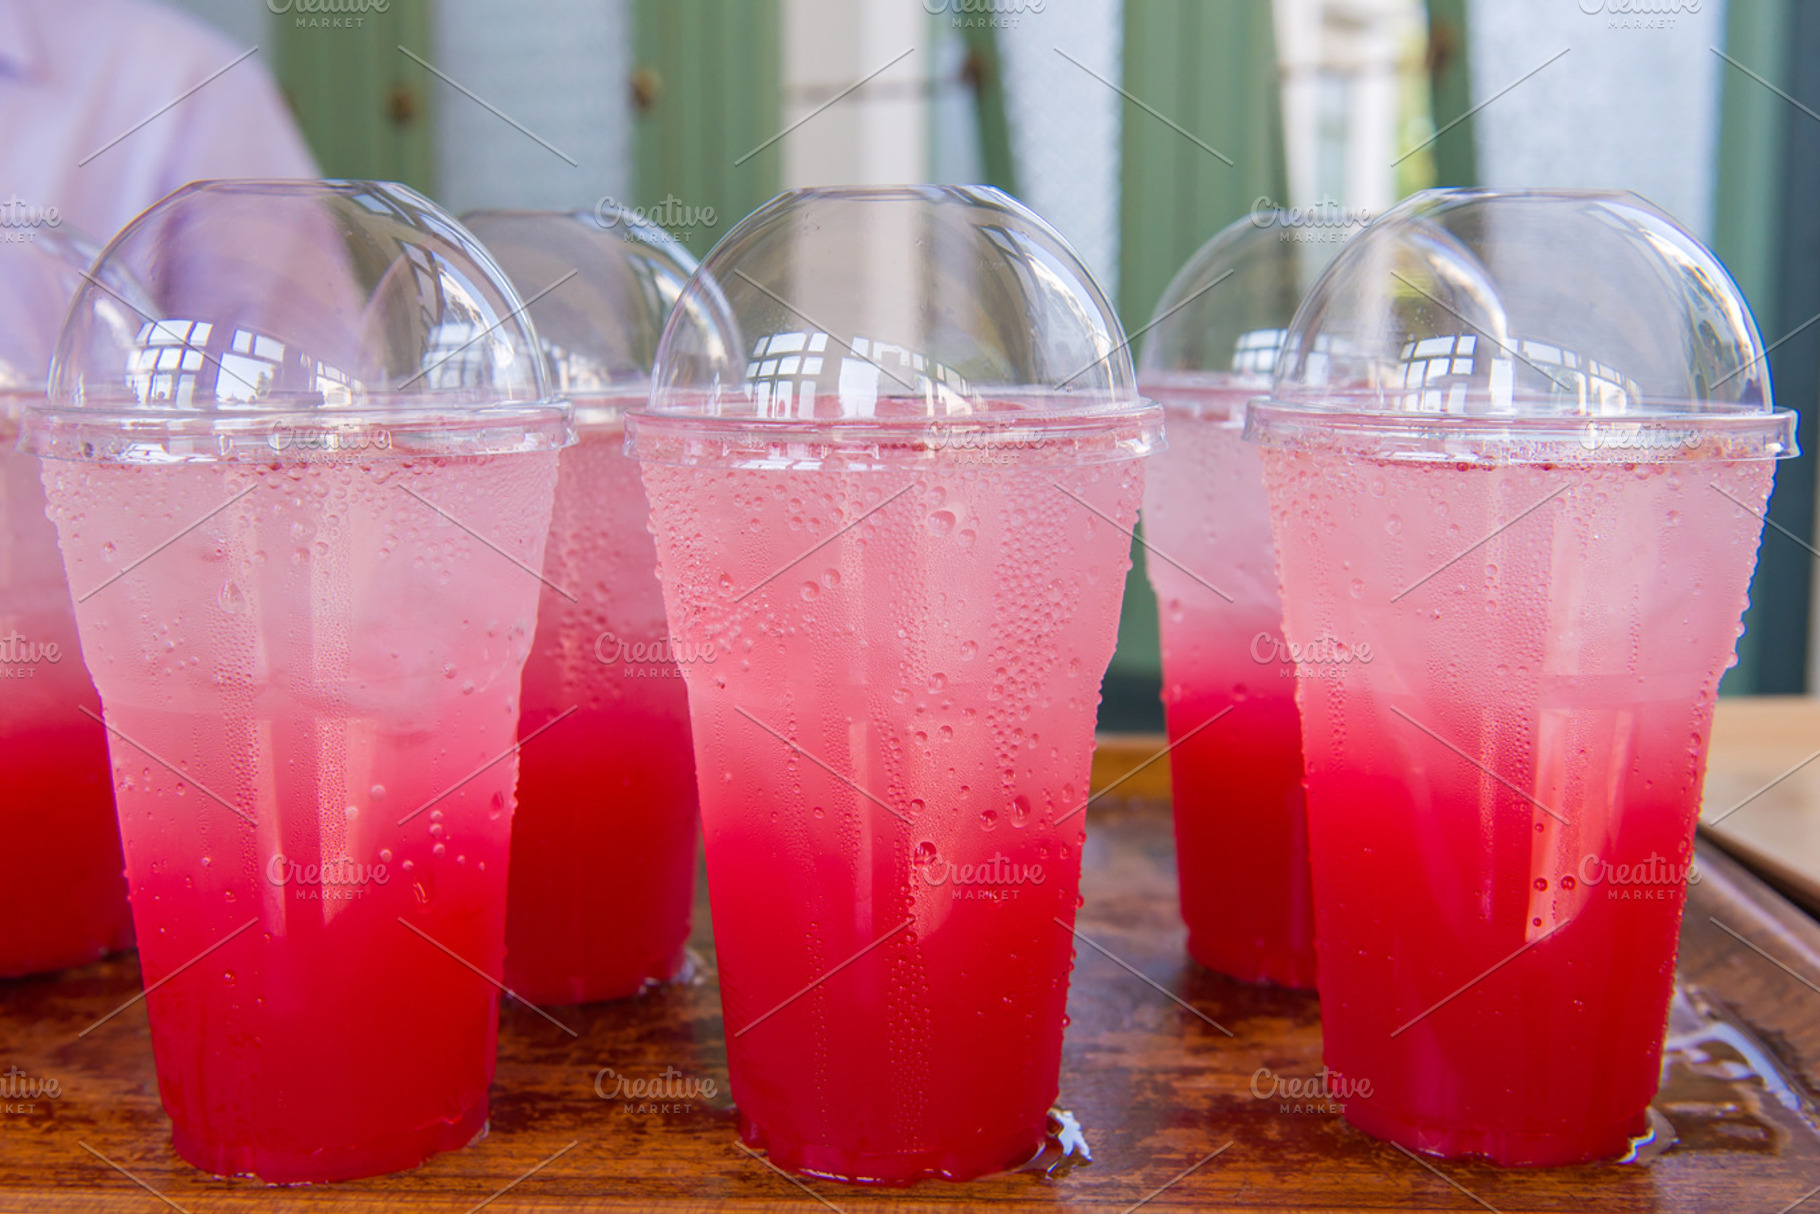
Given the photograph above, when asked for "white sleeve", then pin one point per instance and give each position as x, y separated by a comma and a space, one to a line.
235, 126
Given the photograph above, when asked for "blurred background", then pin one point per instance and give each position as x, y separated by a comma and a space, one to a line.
1138, 127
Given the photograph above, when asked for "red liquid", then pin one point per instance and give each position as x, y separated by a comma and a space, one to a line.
945, 656
603, 843
329, 657
65, 889
1494, 978
1241, 830
1241, 823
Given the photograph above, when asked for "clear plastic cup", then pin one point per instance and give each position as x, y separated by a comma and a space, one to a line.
66, 891
302, 483
1517, 453
603, 843
1241, 826
893, 502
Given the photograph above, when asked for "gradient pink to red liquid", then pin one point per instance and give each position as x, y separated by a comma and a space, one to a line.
65, 892
329, 658
1536, 713
890, 1015
1241, 824
603, 843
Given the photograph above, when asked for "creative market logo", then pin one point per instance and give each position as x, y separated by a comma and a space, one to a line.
1655, 878
1324, 222
1322, 658
670, 1091
327, 14
16, 650
20, 220
984, 14
342, 879
659, 659
673, 216
996, 879
20, 1092
1325, 1091
1640, 14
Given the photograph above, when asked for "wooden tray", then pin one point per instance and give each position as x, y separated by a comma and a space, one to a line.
1156, 1088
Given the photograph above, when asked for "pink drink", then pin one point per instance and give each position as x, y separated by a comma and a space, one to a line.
939, 660
1240, 818
1485, 989
329, 657
66, 894
603, 843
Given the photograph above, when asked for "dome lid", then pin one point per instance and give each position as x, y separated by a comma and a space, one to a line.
599, 285
265, 308
1223, 317
868, 315
1517, 325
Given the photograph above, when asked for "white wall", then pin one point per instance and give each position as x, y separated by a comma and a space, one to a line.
1065, 124
565, 76
1631, 108
876, 134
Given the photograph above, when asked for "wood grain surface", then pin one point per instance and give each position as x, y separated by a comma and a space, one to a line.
1763, 802
1155, 1087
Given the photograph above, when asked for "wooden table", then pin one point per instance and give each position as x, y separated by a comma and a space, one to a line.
1761, 801
1154, 1086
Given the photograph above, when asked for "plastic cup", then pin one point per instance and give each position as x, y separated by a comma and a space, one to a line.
894, 502
603, 843
1517, 453
302, 485
1241, 825
66, 892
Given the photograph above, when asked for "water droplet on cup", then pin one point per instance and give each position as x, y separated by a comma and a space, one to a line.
941, 522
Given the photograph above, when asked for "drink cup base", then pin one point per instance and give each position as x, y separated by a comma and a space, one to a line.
895, 1167
279, 1165
543, 990
1254, 964
1502, 1147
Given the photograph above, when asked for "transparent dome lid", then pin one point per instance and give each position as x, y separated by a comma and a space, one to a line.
1221, 322
261, 310
599, 285
1515, 325
901, 318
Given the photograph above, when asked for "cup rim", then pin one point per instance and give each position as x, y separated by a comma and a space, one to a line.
1651, 430
1121, 430
369, 429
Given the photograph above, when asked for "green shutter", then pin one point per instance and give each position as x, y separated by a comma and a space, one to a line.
1211, 69
1450, 83
985, 71
1747, 228
362, 105
707, 93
